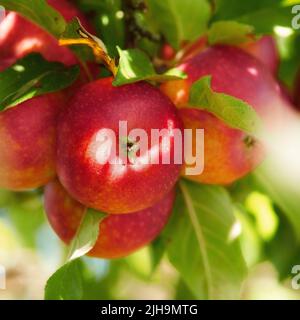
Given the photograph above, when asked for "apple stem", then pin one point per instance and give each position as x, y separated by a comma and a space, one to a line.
99, 52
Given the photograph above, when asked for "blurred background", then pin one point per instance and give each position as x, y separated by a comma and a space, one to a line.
30, 251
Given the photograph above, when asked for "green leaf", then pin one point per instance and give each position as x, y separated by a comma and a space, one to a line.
232, 9
33, 76
266, 19
87, 234
234, 112
135, 66
66, 283
109, 22
180, 20
264, 15
284, 195
157, 251
202, 242
229, 32
39, 12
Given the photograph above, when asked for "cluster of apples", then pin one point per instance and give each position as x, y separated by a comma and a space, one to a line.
52, 140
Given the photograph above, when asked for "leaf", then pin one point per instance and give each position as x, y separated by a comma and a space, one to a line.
229, 32
285, 196
202, 242
135, 66
33, 76
157, 251
39, 12
87, 234
231, 9
180, 20
264, 15
66, 283
109, 22
234, 112
266, 19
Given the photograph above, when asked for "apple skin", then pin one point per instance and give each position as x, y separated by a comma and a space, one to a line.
227, 156
265, 49
228, 153
114, 188
119, 235
27, 142
19, 37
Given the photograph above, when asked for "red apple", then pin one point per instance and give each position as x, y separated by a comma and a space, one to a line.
27, 142
229, 154
265, 49
119, 235
19, 37
120, 187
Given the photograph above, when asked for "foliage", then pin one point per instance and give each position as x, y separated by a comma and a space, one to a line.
213, 236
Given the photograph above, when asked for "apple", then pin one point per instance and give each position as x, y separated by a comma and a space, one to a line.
119, 235
229, 153
264, 49
27, 142
19, 37
116, 186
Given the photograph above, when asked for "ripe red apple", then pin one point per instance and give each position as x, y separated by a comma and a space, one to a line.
229, 153
19, 37
119, 235
27, 142
119, 187
265, 49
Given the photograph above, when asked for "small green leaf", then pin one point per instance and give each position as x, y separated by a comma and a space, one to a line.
87, 234
234, 112
33, 76
135, 66
66, 283
39, 12
229, 32
180, 20
202, 241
